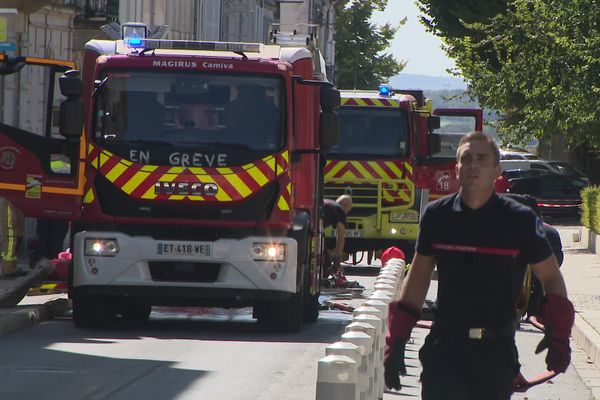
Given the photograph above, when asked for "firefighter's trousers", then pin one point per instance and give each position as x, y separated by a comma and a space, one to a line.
13, 228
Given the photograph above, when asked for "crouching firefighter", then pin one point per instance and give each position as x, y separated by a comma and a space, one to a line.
481, 243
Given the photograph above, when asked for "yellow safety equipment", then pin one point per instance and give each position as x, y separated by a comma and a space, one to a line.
13, 228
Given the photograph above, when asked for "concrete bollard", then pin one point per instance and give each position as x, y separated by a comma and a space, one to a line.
396, 286
394, 269
381, 306
349, 350
378, 347
344, 349
386, 280
372, 353
365, 344
390, 274
337, 378
395, 261
384, 286
373, 316
383, 295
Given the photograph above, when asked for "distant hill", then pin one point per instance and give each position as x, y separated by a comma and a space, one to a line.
426, 82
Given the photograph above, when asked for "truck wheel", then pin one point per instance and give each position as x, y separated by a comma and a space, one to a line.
89, 311
136, 312
281, 316
311, 303
290, 313
311, 308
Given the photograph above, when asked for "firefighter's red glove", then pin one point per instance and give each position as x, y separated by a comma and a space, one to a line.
402, 319
392, 252
558, 315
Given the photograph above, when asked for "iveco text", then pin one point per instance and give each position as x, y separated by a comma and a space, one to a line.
186, 188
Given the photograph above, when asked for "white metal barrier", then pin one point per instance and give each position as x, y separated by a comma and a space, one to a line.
353, 368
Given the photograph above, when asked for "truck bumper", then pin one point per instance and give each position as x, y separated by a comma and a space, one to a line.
170, 269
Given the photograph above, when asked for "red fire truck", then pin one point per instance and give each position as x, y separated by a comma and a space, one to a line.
391, 163
196, 180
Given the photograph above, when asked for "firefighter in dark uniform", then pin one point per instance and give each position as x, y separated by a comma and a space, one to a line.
481, 243
537, 293
334, 215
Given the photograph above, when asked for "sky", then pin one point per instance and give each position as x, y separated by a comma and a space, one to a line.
421, 49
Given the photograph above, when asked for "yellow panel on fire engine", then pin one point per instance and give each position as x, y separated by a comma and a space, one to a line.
3, 29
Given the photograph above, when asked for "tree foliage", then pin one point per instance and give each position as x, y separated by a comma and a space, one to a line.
536, 61
361, 60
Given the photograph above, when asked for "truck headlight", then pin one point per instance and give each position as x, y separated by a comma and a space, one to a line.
101, 247
268, 252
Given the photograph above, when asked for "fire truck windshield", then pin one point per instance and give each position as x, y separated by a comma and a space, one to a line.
372, 132
190, 109
452, 129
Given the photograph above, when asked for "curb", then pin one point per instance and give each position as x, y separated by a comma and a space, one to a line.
23, 316
588, 339
583, 333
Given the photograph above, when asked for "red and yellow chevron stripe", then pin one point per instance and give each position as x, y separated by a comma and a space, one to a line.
396, 177
368, 169
138, 180
367, 102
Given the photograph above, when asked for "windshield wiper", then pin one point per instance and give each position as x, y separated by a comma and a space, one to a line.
99, 85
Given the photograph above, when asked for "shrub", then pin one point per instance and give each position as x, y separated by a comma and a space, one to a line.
590, 217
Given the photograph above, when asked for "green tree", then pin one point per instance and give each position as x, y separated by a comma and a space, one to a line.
361, 60
453, 19
536, 61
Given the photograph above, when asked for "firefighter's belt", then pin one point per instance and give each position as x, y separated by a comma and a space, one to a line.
475, 333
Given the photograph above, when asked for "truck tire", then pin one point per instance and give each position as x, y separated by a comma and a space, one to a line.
281, 316
136, 311
311, 303
89, 311
289, 314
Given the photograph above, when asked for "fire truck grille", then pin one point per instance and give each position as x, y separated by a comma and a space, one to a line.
115, 202
366, 196
172, 271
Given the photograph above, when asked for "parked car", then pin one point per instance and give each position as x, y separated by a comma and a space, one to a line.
527, 164
517, 155
556, 194
564, 168
523, 173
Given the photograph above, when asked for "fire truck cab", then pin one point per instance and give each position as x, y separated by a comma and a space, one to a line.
200, 177
395, 154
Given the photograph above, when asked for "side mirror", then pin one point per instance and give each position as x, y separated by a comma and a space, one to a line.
70, 84
71, 109
329, 128
435, 143
433, 122
329, 98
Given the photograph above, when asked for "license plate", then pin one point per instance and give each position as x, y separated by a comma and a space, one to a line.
354, 234
184, 249
350, 233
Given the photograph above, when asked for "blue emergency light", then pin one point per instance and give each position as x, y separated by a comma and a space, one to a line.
384, 90
134, 33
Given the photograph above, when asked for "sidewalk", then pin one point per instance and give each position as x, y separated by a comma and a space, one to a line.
581, 270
